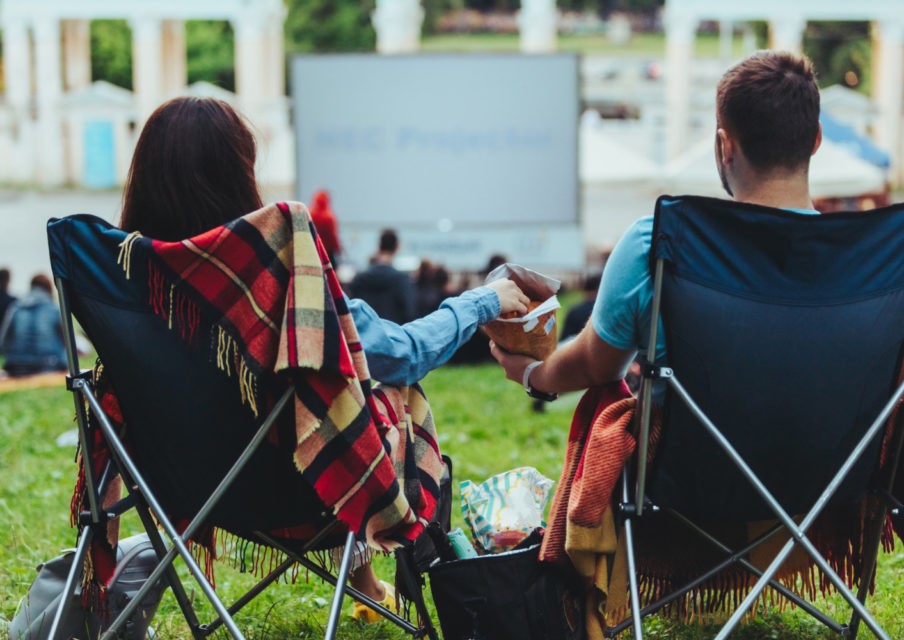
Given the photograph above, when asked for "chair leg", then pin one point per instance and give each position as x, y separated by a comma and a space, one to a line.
632, 580
182, 599
339, 593
636, 615
84, 544
872, 540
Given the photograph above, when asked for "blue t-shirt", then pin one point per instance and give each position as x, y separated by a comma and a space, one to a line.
621, 314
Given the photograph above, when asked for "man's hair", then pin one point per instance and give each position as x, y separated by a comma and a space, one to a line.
4, 279
389, 241
770, 103
40, 281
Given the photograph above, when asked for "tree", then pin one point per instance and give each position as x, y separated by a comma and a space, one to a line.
841, 53
210, 47
111, 52
210, 50
329, 25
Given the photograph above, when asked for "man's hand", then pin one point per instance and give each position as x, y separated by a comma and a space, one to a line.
511, 298
513, 363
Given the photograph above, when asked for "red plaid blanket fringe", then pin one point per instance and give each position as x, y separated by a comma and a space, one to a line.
279, 307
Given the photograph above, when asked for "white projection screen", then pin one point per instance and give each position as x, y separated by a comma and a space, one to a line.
449, 142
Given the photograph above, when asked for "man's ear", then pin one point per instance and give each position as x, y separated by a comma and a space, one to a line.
725, 146
818, 139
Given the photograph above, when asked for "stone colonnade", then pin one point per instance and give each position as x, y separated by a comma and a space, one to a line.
787, 22
46, 57
398, 25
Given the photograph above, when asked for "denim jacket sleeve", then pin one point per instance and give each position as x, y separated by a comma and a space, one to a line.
404, 354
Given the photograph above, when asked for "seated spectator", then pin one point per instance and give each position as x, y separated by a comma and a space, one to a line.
193, 170
32, 332
427, 295
5, 298
389, 291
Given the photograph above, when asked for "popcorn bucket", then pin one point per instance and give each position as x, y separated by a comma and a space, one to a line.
533, 334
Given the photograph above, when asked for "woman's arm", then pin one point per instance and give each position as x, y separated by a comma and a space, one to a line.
404, 354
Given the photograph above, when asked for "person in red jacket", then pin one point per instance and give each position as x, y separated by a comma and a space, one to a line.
325, 222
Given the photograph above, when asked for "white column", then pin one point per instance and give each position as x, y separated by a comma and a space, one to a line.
17, 64
251, 75
538, 24
175, 66
17, 73
50, 161
147, 66
680, 31
726, 40
889, 93
76, 54
277, 58
398, 25
786, 33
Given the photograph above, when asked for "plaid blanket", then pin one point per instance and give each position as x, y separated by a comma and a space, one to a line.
581, 532
277, 307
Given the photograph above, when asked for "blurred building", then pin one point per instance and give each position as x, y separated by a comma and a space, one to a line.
61, 128
787, 22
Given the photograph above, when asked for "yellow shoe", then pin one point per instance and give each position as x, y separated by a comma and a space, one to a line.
367, 615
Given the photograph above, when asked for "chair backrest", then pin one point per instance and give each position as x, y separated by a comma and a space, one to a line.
787, 330
186, 423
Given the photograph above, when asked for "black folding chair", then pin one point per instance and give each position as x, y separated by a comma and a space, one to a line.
174, 402
784, 340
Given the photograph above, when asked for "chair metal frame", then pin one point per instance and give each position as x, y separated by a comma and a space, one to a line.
638, 504
151, 513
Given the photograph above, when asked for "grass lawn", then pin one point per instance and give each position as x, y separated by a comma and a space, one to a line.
487, 426
641, 45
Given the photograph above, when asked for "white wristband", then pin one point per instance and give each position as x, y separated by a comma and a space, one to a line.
525, 380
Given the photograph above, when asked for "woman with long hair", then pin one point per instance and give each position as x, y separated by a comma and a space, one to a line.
193, 170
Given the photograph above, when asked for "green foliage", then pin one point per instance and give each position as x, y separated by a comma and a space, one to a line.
329, 26
111, 52
210, 47
841, 53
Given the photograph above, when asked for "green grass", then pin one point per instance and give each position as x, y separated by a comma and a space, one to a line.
486, 425
642, 45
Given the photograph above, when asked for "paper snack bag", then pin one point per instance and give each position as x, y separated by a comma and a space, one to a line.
533, 334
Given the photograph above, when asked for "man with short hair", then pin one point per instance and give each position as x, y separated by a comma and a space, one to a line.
389, 291
767, 128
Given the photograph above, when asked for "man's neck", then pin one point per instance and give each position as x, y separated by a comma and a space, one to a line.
781, 190
383, 257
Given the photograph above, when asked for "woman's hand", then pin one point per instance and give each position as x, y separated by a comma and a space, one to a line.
511, 298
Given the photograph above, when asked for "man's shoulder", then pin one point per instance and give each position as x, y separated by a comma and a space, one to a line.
636, 240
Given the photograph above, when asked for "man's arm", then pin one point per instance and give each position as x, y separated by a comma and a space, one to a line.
585, 362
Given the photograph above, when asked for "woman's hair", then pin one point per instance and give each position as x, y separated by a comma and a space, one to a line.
193, 169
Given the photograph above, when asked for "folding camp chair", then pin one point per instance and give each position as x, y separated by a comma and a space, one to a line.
784, 342
174, 402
